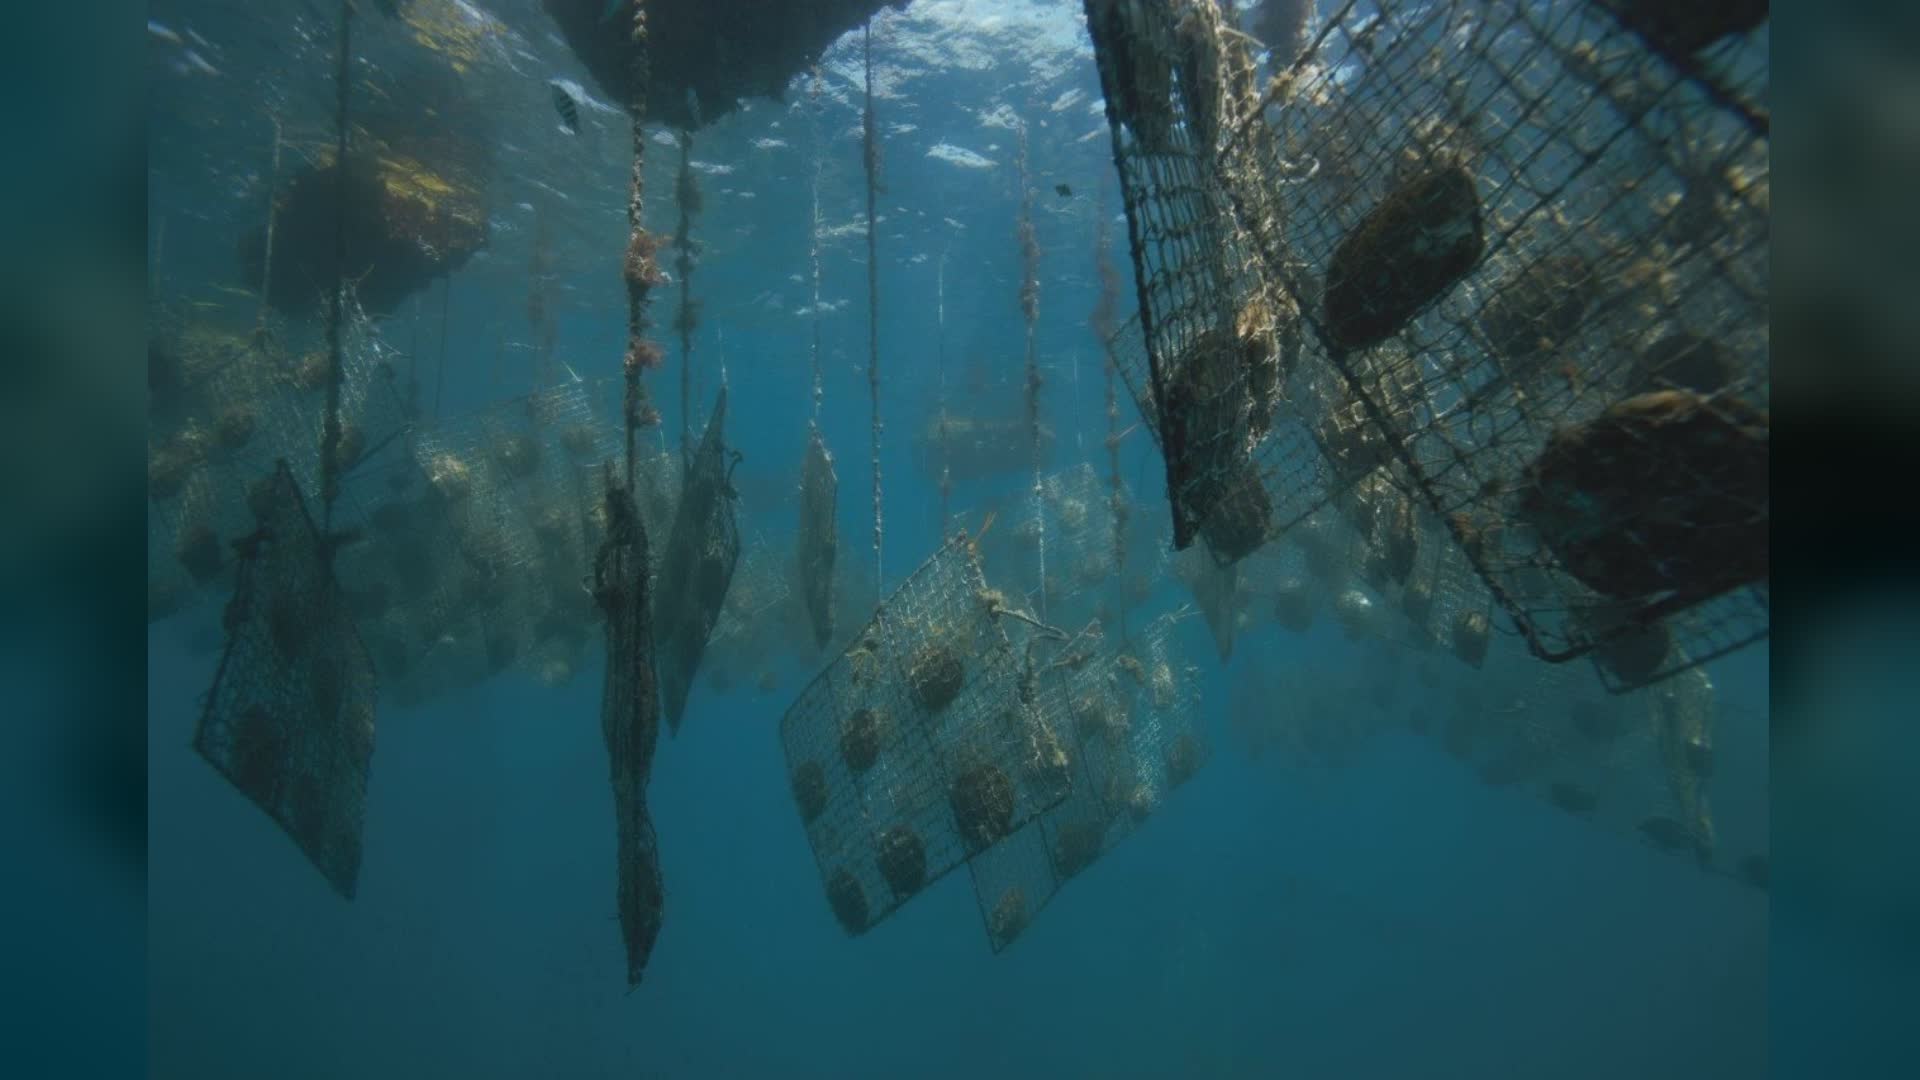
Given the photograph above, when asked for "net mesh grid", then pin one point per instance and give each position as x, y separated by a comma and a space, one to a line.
244, 407
1619, 197
630, 719
1127, 713
696, 571
870, 747
289, 720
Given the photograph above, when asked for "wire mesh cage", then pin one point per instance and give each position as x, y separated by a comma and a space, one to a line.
1526, 246
1127, 713
289, 720
916, 748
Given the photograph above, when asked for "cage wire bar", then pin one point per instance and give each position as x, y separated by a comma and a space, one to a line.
1527, 245
915, 748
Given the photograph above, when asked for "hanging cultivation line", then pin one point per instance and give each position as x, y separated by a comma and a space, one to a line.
330, 434
940, 349
870, 146
1030, 311
1102, 322
266, 259
639, 270
813, 247
687, 194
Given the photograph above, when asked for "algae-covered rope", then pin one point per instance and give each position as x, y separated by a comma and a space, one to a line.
870, 146
1030, 312
638, 268
330, 434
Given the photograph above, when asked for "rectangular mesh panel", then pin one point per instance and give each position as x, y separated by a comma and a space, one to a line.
290, 718
1127, 716
915, 748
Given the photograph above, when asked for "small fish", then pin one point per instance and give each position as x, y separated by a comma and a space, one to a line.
567, 107
1063, 191
163, 32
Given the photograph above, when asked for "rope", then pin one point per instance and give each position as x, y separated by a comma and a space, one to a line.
330, 435
871, 153
1030, 311
946, 455
688, 197
813, 247
638, 269
266, 260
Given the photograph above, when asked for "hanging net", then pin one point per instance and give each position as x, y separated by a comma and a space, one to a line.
290, 718
818, 542
1127, 713
697, 567
630, 720
915, 749
1525, 251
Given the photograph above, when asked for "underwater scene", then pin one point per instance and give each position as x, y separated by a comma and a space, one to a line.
953, 538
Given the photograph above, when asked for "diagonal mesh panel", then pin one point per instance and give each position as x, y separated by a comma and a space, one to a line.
915, 748
1128, 717
697, 568
290, 718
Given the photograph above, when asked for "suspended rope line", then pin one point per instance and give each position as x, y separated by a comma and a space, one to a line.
871, 154
266, 260
813, 247
687, 194
330, 434
639, 269
1102, 323
1030, 312
440, 366
940, 349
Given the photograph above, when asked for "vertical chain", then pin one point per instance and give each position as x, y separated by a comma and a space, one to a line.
870, 146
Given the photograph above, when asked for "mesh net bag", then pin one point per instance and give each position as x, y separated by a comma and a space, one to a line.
1527, 248
818, 541
915, 749
630, 720
1128, 718
290, 718
697, 567
226, 409
754, 624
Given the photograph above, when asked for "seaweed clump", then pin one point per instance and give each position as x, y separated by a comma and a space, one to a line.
1665, 491
1008, 918
982, 799
1402, 256
903, 859
848, 902
936, 676
860, 736
810, 790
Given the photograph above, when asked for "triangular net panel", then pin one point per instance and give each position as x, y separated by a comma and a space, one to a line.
289, 720
697, 567
916, 748
1522, 252
1128, 714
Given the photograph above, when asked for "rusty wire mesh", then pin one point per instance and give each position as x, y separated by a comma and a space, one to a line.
290, 718
915, 748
